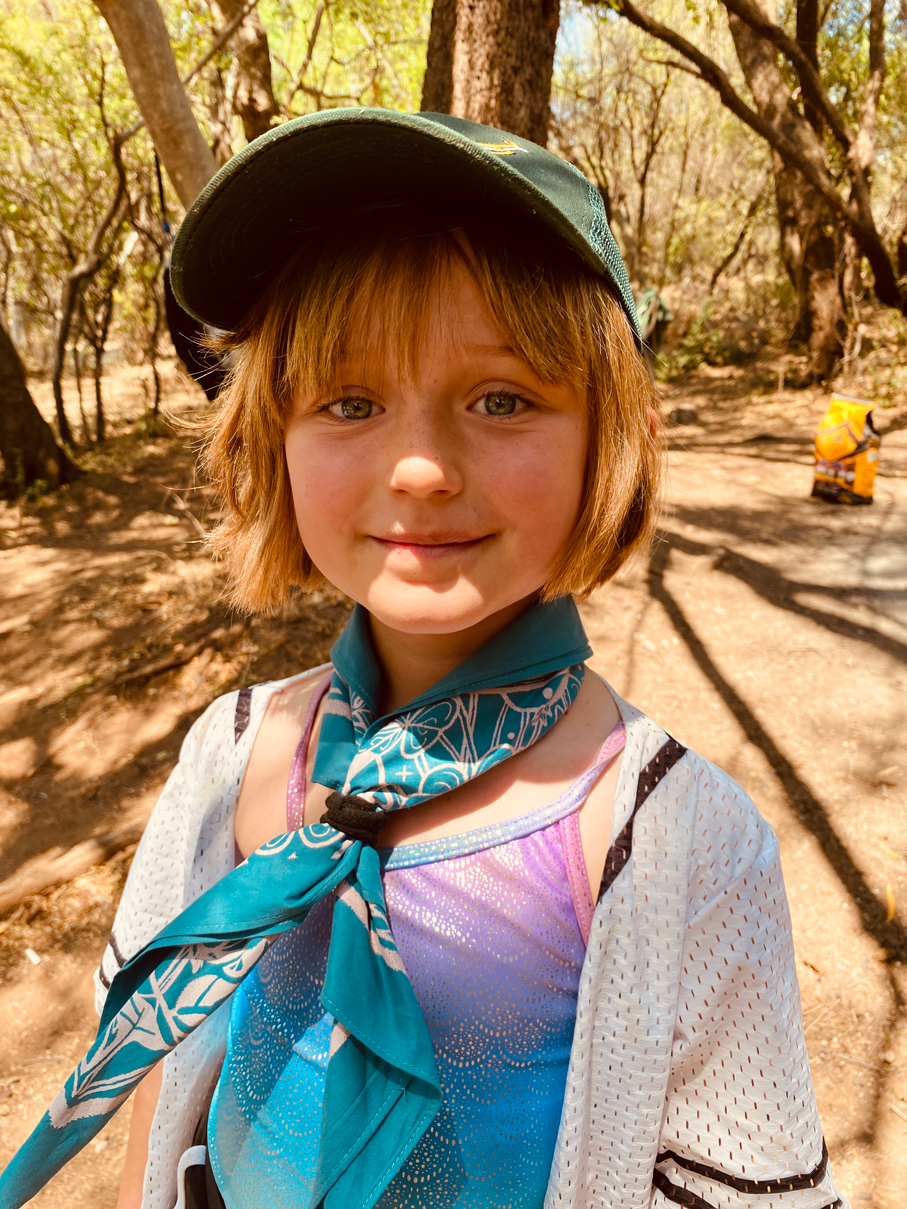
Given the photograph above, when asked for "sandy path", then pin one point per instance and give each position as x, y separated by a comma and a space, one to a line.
768, 632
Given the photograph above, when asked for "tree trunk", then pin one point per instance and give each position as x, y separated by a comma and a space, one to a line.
77, 278
220, 118
437, 86
250, 85
100, 426
812, 248
77, 366
152, 352
99, 344
808, 38
812, 243
27, 446
144, 45
68, 302
491, 61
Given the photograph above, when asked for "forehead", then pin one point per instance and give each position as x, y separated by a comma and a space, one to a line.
452, 317
386, 299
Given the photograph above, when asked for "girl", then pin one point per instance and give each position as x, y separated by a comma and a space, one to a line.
493, 938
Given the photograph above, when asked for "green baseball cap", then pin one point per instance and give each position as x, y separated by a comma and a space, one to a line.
266, 201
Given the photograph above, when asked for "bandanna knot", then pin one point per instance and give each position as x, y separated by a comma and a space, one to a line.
354, 816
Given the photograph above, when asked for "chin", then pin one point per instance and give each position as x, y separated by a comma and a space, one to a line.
425, 610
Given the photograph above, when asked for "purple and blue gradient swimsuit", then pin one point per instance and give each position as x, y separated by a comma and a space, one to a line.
492, 926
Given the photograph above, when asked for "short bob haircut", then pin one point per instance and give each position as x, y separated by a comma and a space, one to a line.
556, 314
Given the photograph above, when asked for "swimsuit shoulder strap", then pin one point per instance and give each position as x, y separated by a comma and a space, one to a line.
296, 784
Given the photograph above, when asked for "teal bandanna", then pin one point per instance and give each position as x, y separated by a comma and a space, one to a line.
382, 1087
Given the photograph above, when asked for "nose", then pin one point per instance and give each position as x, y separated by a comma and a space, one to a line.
422, 476
427, 465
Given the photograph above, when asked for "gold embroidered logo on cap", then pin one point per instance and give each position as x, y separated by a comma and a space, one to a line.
508, 147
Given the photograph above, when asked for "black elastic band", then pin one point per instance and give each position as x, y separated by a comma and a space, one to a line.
243, 713
354, 816
680, 1196
683, 1196
790, 1183
653, 773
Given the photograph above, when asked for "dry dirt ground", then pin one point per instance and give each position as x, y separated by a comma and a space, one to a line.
767, 630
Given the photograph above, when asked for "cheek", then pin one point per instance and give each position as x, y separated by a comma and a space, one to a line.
539, 483
321, 490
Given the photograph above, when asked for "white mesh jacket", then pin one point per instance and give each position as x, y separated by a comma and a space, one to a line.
689, 1081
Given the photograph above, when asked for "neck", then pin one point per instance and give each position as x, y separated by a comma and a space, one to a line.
411, 663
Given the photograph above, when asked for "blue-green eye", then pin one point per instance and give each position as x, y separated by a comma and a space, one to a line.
353, 408
499, 404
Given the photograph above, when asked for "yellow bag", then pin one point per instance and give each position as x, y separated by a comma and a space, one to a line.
847, 452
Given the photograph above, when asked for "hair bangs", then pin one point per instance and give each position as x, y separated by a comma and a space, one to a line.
388, 292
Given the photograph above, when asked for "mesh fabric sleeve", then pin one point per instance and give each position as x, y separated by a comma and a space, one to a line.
741, 1129
162, 879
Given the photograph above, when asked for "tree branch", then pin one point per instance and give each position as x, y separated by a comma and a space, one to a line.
307, 60
749, 12
808, 41
856, 215
718, 79
94, 255
690, 71
81, 272
864, 143
738, 242
220, 40
379, 54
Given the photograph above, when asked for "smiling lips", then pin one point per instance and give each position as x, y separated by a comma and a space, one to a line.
423, 546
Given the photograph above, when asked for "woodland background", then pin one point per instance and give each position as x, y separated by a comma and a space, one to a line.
752, 161
752, 158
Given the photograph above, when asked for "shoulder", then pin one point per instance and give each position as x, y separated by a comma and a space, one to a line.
709, 817
188, 841
730, 839
215, 753
228, 726
285, 702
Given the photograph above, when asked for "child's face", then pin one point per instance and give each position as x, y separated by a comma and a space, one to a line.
436, 503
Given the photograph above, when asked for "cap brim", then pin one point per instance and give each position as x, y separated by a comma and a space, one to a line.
258, 209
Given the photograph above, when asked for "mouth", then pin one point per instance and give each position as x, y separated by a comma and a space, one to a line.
435, 546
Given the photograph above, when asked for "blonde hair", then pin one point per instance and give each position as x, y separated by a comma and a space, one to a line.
557, 315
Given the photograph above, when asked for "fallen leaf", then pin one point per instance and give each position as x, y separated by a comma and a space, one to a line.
895, 856
889, 894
